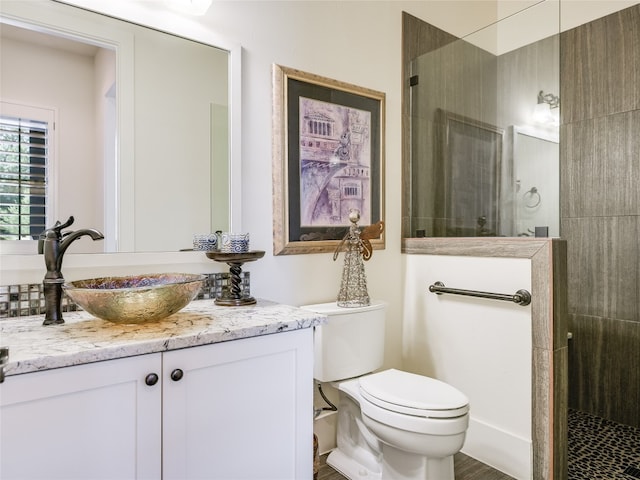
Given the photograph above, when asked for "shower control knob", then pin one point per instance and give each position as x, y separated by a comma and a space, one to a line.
177, 374
151, 379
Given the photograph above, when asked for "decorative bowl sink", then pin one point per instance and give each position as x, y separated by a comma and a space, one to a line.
135, 299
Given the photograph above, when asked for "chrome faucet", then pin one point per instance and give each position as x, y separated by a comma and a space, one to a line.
53, 243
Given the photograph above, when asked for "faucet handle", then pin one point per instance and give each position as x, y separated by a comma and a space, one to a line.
59, 226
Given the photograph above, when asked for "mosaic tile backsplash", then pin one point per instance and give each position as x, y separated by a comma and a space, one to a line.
27, 300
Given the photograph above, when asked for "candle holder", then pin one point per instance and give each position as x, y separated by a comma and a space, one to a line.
233, 297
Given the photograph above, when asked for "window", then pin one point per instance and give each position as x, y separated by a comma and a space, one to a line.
23, 177
351, 190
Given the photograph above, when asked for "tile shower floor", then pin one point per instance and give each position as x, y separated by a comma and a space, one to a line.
600, 449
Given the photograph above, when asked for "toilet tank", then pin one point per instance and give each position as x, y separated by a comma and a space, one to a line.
351, 343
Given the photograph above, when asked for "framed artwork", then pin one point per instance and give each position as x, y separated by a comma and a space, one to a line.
328, 158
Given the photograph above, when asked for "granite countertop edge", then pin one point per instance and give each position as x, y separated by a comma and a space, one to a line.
84, 339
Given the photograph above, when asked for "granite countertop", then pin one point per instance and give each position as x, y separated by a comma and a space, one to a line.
85, 339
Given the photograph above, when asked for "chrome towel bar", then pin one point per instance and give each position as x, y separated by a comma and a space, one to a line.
521, 297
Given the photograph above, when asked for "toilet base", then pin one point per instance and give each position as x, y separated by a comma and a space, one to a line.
411, 467
350, 468
399, 465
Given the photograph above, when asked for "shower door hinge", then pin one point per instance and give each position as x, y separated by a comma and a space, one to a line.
413, 80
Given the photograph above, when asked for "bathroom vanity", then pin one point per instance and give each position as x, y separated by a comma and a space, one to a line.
210, 392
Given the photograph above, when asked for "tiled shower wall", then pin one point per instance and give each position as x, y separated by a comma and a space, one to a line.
600, 212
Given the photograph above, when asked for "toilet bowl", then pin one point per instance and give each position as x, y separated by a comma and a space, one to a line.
392, 425
417, 423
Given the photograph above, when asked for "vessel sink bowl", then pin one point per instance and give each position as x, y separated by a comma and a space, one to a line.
135, 299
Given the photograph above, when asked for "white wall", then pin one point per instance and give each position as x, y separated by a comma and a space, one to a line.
355, 42
68, 88
480, 346
160, 66
105, 134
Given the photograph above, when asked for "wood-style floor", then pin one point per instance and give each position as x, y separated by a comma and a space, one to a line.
466, 468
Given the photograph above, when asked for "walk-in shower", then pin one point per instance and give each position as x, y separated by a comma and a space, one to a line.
484, 126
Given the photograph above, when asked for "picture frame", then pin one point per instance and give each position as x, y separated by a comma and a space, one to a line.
328, 158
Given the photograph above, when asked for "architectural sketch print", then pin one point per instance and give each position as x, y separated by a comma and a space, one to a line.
335, 163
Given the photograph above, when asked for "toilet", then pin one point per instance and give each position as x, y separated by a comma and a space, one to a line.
392, 425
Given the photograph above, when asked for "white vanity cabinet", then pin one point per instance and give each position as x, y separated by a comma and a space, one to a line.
86, 422
240, 409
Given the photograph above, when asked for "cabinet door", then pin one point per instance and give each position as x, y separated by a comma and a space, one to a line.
241, 410
93, 421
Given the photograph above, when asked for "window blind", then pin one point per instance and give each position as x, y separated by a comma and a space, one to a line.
23, 178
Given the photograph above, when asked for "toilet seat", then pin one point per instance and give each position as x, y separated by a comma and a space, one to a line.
416, 395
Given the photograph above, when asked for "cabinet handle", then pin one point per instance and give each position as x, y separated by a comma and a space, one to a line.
177, 374
151, 379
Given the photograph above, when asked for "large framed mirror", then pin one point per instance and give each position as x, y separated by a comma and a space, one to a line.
144, 130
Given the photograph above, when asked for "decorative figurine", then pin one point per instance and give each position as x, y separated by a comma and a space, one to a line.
353, 289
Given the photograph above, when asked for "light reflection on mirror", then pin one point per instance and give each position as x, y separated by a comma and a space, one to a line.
140, 148
466, 159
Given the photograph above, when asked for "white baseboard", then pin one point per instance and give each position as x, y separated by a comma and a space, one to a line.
499, 449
